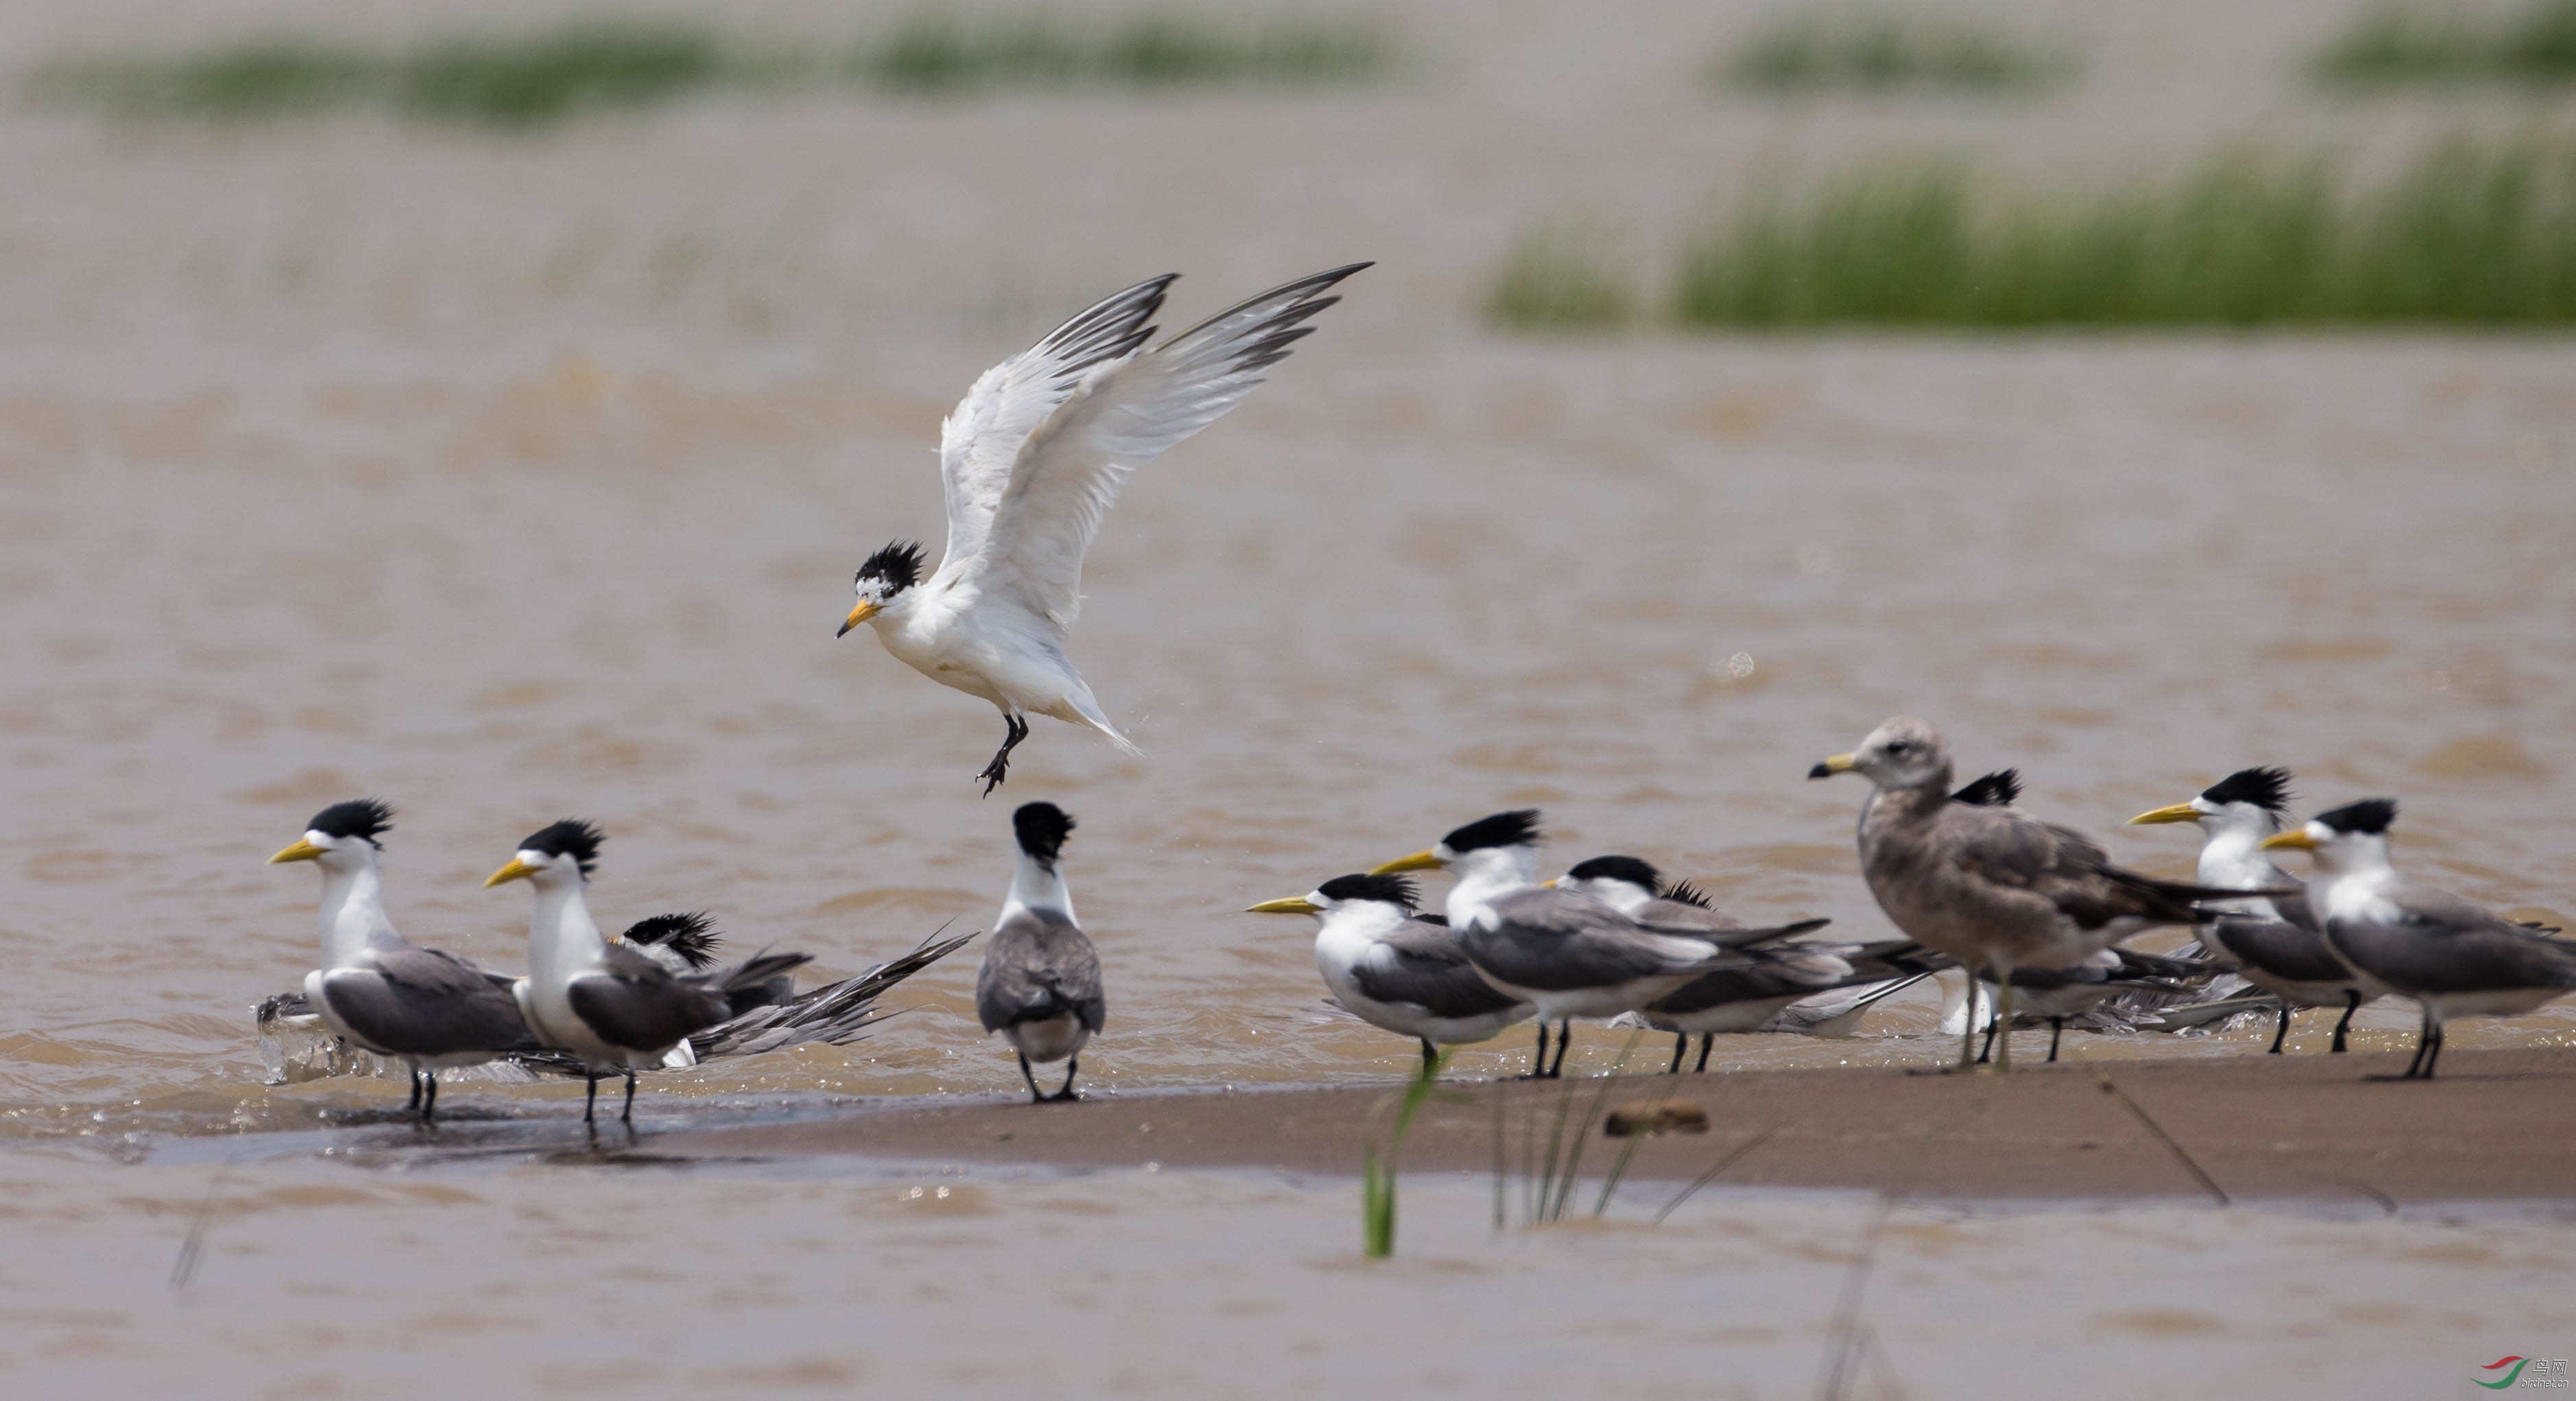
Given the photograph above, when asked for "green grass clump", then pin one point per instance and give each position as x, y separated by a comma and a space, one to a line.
935, 52
2467, 234
1882, 50
1558, 279
2395, 44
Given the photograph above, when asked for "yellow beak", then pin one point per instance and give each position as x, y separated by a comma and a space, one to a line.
2294, 841
1550, 884
2179, 812
516, 870
858, 615
1840, 763
1293, 905
301, 851
1418, 861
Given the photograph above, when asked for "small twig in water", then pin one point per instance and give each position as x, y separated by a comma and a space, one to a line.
1843, 1339
2208, 1184
1721, 1165
184, 1268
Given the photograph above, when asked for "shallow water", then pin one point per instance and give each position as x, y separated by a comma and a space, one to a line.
507, 480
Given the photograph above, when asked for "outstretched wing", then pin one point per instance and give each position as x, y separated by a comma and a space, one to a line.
981, 438
1120, 415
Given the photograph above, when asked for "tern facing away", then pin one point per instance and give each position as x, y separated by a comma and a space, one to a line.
2454, 957
1040, 983
1030, 461
2273, 938
1396, 971
611, 1007
381, 992
1993, 887
1567, 955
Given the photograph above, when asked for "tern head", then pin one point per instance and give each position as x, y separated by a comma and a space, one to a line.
553, 854
883, 582
2350, 838
1903, 753
2248, 798
1041, 829
343, 834
1504, 838
691, 938
1341, 892
1624, 883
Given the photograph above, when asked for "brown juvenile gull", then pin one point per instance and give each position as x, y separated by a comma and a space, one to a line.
1398, 970
2273, 938
2451, 955
1030, 461
1040, 983
1992, 887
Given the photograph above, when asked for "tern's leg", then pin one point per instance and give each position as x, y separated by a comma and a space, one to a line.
2440, 1034
2283, 1030
1538, 1068
628, 1117
1988, 1053
1968, 1032
2423, 1043
1706, 1040
2351, 1004
1072, 1064
2056, 1029
1430, 1055
1014, 730
1035, 1097
2003, 1017
1681, 1043
1564, 1038
412, 1105
429, 1100
590, 1098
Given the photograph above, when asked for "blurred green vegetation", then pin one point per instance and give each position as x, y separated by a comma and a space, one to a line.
2470, 232
2396, 43
1879, 50
532, 79
1561, 278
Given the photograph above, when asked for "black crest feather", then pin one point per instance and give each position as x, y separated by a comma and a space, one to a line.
1042, 828
1685, 893
359, 817
2268, 789
1633, 870
1392, 890
1516, 828
2368, 815
692, 936
570, 837
899, 564
2000, 789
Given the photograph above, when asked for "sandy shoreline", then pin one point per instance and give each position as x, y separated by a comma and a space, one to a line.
2500, 1125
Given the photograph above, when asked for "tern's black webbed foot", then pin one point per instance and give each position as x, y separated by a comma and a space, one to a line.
1015, 730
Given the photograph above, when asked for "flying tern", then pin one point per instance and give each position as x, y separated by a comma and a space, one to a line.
1040, 983
1030, 462
1394, 970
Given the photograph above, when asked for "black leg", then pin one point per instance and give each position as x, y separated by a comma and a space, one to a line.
2423, 1044
629, 1116
1706, 1040
1992, 1021
412, 1105
2283, 1030
1538, 1068
1035, 1097
1014, 729
1681, 1043
429, 1100
2351, 1004
590, 1100
2440, 1034
1564, 1038
1066, 1095
2056, 1029
1430, 1055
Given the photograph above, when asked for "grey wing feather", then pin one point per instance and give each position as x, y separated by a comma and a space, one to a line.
834, 1014
420, 1001
1037, 966
1424, 966
1550, 940
636, 1003
2280, 947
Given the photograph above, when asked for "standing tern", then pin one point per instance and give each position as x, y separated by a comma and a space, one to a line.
1567, 955
426, 1008
614, 1009
1040, 983
2274, 938
1398, 972
2451, 955
2059, 995
1990, 886
1030, 462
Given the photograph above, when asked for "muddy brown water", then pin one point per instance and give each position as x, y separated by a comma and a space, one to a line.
509, 480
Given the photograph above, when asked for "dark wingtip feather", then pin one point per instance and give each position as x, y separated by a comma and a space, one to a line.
2000, 789
692, 936
2371, 815
569, 837
1042, 828
2267, 788
1391, 890
1634, 870
359, 817
1518, 827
